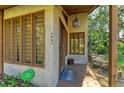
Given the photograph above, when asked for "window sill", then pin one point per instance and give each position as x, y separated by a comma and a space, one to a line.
35, 65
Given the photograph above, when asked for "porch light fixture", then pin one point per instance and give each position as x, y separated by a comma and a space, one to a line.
76, 22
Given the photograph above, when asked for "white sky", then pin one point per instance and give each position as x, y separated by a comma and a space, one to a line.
65, 2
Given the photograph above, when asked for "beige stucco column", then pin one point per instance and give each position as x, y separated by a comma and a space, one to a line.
1, 43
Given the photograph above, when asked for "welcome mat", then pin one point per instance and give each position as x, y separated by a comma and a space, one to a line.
68, 74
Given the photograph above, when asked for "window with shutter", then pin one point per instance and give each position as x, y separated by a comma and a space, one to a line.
38, 21
8, 37
27, 38
81, 44
17, 39
77, 43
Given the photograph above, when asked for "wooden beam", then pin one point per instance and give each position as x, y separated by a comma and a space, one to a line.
1, 44
63, 21
61, 8
113, 38
92, 8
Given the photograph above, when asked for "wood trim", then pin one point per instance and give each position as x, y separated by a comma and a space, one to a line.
14, 42
68, 48
5, 38
65, 42
84, 42
4, 42
1, 44
70, 43
12, 52
60, 48
113, 38
32, 41
44, 12
21, 42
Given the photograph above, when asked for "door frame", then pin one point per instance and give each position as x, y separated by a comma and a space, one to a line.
63, 46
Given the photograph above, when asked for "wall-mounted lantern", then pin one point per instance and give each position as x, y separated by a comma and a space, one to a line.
76, 22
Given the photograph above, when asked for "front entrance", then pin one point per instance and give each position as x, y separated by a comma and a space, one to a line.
63, 38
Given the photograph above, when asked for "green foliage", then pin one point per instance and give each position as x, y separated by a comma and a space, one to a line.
121, 54
121, 21
98, 31
8, 81
11, 81
95, 66
25, 84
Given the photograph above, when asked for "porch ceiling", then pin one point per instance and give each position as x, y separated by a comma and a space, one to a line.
2, 7
73, 9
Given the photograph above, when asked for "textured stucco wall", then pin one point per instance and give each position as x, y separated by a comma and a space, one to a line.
43, 76
56, 20
83, 17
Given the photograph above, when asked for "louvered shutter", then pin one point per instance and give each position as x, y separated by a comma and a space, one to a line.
39, 37
81, 43
77, 43
17, 39
8, 43
27, 38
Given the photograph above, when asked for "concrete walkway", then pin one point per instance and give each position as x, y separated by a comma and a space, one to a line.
90, 82
90, 79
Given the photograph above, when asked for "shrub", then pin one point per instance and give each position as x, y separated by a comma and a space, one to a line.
11, 81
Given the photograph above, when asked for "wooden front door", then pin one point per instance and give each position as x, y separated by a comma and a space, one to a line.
62, 47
